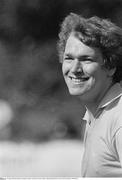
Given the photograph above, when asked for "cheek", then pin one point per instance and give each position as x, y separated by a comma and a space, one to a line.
92, 70
64, 69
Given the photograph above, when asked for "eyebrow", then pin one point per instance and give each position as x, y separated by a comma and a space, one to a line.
80, 57
69, 55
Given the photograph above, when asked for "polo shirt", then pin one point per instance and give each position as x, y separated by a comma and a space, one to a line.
103, 137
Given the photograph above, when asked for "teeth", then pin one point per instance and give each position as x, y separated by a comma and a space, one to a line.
77, 80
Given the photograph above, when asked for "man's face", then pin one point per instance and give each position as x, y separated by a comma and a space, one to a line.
82, 70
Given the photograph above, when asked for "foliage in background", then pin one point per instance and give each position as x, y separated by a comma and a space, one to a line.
30, 75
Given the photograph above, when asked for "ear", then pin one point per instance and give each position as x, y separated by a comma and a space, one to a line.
111, 72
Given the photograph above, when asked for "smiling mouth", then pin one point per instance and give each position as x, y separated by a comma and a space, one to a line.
79, 79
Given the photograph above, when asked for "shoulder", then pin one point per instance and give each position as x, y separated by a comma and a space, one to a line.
116, 123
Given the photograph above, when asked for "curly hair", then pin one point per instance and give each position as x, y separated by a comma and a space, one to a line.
95, 32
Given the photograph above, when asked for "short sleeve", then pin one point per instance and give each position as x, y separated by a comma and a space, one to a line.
118, 143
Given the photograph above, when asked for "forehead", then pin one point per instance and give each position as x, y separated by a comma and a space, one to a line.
75, 47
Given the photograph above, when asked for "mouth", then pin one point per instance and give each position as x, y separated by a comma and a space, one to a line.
79, 79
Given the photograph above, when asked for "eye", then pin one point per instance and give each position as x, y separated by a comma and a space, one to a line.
67, 58
88, 60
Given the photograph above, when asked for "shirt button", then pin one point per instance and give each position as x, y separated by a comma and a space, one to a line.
89, 122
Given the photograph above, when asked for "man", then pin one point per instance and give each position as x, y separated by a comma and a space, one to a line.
90, 51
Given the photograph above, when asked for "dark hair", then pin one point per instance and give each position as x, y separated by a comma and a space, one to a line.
96, 32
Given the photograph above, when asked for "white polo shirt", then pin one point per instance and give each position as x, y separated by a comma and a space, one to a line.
103, 137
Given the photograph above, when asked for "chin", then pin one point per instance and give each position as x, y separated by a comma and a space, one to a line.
74, 92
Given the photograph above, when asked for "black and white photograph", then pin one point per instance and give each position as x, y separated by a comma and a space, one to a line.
60, 89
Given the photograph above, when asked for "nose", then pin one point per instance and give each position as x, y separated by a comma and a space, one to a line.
76, 66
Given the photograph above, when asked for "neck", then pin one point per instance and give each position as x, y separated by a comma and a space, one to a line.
92, 106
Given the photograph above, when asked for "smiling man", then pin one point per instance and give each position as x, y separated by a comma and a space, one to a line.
90, 51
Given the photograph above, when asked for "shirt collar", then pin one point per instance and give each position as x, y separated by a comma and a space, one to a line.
114, 92
86, 117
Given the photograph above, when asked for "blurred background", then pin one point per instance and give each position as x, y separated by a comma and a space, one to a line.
41, 127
